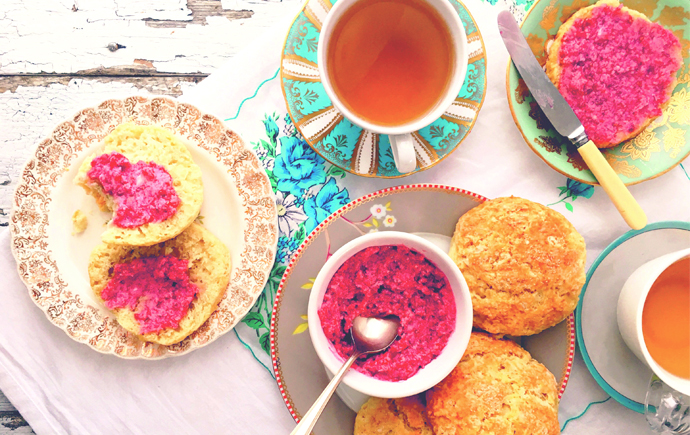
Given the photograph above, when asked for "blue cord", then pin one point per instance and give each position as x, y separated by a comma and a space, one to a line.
583, 412
686, 172
255, 92
253, 354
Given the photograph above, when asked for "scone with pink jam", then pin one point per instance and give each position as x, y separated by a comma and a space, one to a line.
146, 176
615, 68
165, 292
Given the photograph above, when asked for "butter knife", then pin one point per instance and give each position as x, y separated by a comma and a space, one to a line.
566, 122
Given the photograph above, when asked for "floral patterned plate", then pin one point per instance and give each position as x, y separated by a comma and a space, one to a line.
349, 147
300, 375
239, 208
656, 150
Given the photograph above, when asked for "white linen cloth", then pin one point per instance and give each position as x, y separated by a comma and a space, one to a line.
63, 387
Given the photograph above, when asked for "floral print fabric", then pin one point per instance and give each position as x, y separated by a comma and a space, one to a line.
307, 191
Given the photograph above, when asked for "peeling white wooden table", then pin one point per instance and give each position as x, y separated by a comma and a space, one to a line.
57, 56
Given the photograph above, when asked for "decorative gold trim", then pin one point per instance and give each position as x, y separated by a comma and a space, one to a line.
426, 146
32, 248
462, 102
323, 132
348, 169
471, 37
357, 153
299, 59
312, 18
534, 149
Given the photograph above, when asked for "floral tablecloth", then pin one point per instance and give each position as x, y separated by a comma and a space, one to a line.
492, 161
61, 386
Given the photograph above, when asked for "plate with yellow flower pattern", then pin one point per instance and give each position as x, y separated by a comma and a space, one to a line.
653, 152
300, 375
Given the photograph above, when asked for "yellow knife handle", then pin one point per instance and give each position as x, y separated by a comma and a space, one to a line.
613, 186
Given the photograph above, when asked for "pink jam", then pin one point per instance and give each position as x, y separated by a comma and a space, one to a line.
616, 72
390, 280
143, 191
157, 289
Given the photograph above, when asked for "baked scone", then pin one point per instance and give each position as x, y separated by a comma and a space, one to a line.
523, 262
195, 258
616, 69
146, 176
404, 416
496, 388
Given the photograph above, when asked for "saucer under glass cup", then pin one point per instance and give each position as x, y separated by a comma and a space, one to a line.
667, 403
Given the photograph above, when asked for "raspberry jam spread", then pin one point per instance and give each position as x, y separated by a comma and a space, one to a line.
616, 71
143, 191
157, 289
390, 280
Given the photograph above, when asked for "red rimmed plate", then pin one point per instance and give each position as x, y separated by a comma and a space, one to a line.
421, 208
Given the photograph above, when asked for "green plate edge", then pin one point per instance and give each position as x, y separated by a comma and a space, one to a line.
556, 151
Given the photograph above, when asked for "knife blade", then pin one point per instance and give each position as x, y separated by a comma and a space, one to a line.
544, 92
564, 120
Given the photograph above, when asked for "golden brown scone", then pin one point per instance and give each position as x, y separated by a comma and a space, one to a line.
149, 143
496, 389
209, 270
554, 70
523, 262
405, 416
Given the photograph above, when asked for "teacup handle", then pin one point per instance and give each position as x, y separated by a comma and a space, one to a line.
667, 411
402, 146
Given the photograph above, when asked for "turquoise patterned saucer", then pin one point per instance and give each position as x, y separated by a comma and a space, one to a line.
348, 146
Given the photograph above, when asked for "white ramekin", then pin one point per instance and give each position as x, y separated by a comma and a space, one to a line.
437, 369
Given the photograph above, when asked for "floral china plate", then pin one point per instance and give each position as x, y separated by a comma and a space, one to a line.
349, 147
653, 152
300, 375
239, 208
612, 364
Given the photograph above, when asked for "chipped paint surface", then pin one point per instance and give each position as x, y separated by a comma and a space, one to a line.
49, 36
12, 422
71, 37
30, 113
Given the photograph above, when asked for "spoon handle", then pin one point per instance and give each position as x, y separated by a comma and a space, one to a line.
306, 424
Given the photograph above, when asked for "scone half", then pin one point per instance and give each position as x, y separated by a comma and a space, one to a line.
158, 145
209, 270
593, 106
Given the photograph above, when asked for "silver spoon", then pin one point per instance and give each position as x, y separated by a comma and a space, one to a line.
369, 335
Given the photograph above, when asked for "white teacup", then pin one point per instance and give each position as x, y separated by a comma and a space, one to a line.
400, 136
630, 306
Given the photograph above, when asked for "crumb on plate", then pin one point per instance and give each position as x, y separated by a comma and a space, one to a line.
79, 222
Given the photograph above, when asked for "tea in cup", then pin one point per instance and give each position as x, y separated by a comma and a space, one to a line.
654, 317
393, 66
